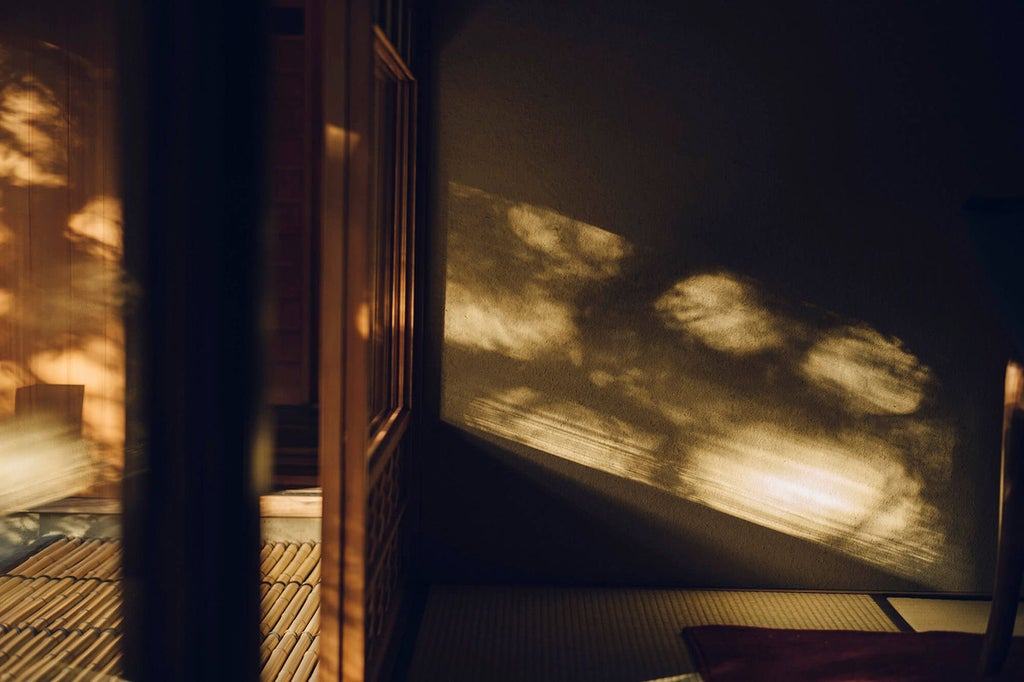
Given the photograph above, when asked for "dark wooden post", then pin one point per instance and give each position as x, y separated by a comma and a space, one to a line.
1010, 557
192, 106
997, 230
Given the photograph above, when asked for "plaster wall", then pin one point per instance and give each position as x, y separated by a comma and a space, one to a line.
675, 245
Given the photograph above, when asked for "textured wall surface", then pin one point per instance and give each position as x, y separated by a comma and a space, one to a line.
704, 304
61, 285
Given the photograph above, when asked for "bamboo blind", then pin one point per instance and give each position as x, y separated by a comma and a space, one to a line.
60, 612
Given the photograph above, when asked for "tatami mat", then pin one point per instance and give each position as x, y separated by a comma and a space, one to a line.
953, 615
509, 633
60, 619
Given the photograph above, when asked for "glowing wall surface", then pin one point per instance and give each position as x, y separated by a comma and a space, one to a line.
61, 285
785, 416
704, 298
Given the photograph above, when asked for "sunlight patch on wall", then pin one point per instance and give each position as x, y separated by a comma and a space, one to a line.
870, 372
66, 328
851, 493
42, 462
524, 326
571, 431
11, 378
6, 233
96, 229
31, 149
721, 312
99, 366
568, 247
712, 390
532, 262
339, 142
60, 254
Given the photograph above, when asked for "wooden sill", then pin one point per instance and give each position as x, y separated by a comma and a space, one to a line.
306, 503
80, 505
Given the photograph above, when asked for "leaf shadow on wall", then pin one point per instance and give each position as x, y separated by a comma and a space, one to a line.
786, 416
61, 283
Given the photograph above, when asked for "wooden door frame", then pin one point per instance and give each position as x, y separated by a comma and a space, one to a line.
345, 42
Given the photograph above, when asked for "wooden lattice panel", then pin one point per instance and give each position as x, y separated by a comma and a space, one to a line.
386, 561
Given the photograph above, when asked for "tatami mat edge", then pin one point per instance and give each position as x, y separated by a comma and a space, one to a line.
540, 634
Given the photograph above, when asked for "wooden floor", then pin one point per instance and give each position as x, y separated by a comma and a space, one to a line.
513, 634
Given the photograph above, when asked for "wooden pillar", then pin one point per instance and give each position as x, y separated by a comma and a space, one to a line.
1010, 555
344, 194
192, 107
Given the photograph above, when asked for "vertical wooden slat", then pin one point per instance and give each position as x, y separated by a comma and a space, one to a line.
360, 58
345, 92
332, 315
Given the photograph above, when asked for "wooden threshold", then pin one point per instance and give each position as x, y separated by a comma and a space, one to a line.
306, 503
80, 505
